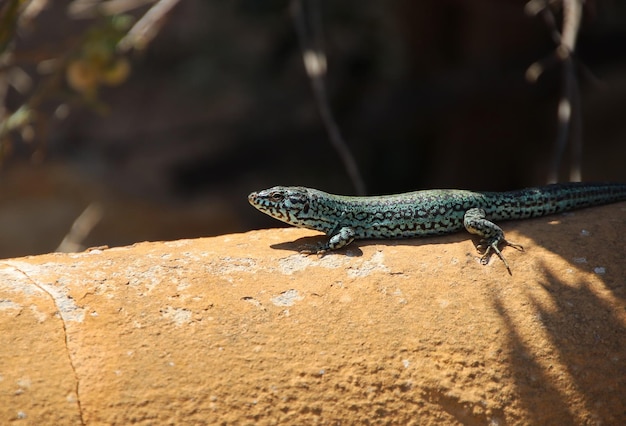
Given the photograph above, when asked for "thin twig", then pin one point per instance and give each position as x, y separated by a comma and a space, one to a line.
80, 229
572, 16
147, 27
569, 114
315, 63
569, 124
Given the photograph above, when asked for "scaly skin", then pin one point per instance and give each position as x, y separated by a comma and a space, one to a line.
426, 213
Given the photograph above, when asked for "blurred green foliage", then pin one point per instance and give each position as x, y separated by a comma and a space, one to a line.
38, 73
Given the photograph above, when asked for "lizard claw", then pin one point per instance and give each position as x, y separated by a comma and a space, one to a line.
320, 251
493, 246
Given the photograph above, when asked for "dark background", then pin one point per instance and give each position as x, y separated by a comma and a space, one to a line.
427, 94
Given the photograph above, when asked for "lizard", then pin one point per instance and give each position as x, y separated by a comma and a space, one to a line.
426, 213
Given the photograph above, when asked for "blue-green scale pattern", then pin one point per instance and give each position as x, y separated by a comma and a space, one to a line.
424, 213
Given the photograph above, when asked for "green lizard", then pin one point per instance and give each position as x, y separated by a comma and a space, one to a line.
426, 213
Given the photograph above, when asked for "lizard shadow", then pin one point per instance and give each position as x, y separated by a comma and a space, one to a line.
312, 243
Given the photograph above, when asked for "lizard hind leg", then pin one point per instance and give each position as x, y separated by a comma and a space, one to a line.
476, 223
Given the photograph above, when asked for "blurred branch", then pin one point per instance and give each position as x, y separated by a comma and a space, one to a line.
93, 8
148, 26
310, 36
18, 119
82, 226
569, 113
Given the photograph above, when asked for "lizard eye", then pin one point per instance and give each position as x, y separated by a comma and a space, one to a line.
276, 197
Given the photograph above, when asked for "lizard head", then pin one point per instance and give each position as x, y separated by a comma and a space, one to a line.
290, 204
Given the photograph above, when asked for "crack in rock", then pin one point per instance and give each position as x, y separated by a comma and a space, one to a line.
68, 311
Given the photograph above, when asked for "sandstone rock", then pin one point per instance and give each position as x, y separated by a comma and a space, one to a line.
242, 329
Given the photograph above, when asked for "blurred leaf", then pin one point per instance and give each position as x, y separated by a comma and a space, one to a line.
9, 14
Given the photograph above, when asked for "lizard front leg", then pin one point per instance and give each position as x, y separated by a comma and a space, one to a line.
337, 240
492, 235
342, 238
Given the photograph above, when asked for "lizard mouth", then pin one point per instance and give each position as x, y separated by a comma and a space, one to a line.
254, 199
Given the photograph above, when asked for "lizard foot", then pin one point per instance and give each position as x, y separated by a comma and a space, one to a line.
320, 250
491, 245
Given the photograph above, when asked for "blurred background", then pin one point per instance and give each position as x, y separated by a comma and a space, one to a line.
113, 133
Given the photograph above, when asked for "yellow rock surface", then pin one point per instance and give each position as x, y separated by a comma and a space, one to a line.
242, 329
